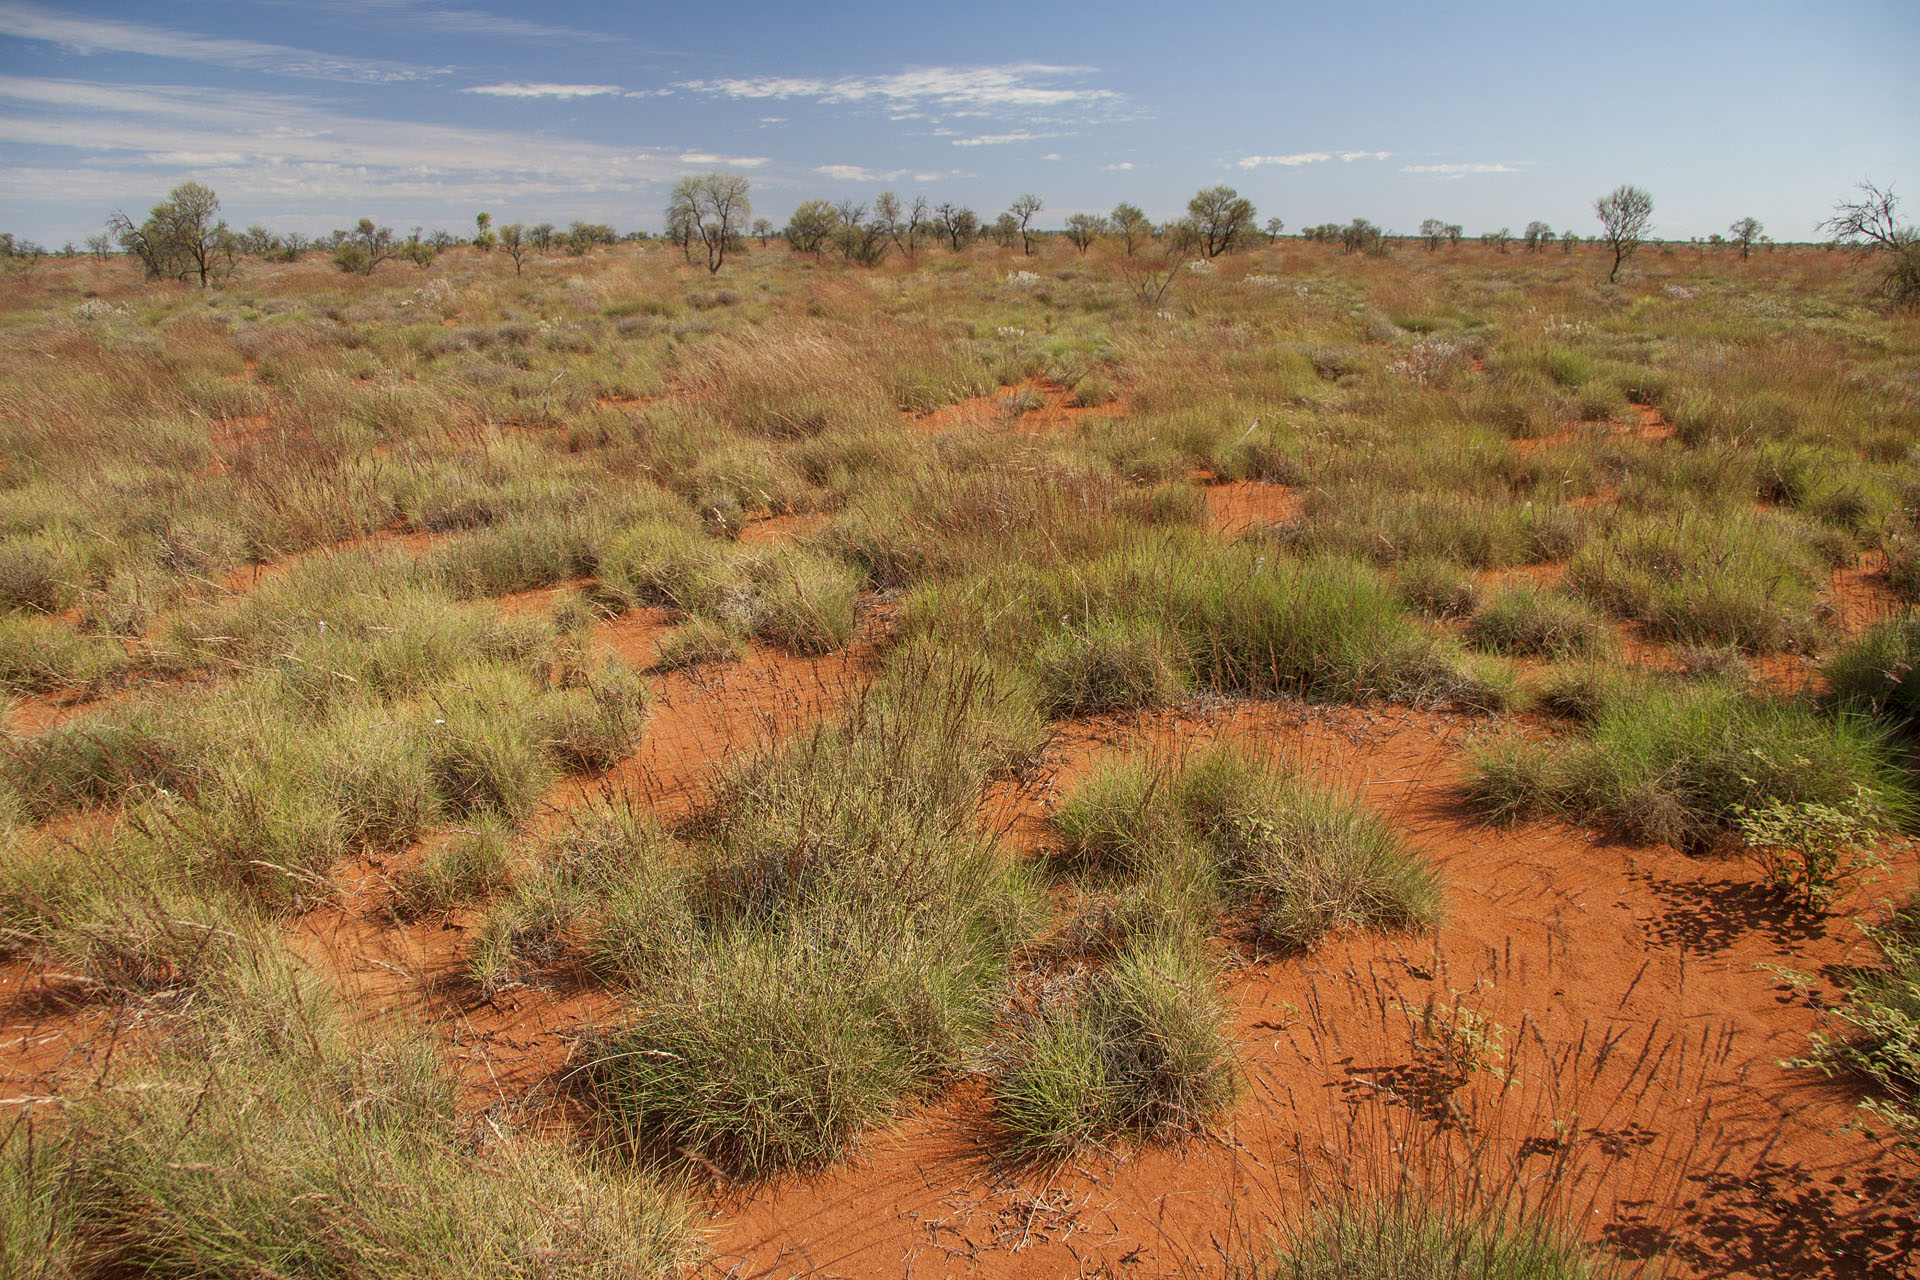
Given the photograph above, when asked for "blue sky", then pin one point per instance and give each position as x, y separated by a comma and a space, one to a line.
307, 115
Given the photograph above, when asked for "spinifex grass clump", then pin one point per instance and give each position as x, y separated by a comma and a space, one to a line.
1744, 579
1407, 1234
1231, 618
1305, 861
1137, 1052
1680, 765
1879, 674
356, 1161
1525, 620
841, 931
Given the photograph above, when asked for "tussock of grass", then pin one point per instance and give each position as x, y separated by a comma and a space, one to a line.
1746, 580
699, 641
1139, 1053
838, 939
1875, 675
1110, 666
1437, 588
452, 875
1405, 1234
1675, 765
1235, 619
1526, 621
1307, 862
371, 1172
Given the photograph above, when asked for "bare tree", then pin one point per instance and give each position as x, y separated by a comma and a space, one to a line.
1624, 214
1871, 223
1222, 217
1744, 233
1023, 210
1084, 228
515, 244
1149, 275
1131, 225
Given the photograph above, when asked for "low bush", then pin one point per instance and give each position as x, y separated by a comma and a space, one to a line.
1881, 1043
1405, 1233
1109, 666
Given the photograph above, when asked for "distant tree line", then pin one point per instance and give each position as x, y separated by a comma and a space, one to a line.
183, 237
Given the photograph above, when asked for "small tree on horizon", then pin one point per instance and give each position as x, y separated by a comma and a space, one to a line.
1538, 236
1022, 211
1084, 228
181, 238
1744, 233
1222, 217
1433, 231
1624, 214
812, 224
516, 245
1131, 225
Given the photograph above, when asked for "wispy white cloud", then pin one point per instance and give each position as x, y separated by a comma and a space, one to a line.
1001, 139
1351, 156
1459, 170
414, 15
1292, 161
731, 162
292, 146
1026, 85
104, 35
524, 89
858, 173
1120, 167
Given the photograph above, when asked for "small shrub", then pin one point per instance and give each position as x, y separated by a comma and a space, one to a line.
1882, 1044
1807, 848
595, 727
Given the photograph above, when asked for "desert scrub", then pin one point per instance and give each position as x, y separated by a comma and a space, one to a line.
1303, 861
838, 940
372, 1172
1526, 621
1875, 675
1677, 764
1139, 1052
1881, 1042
